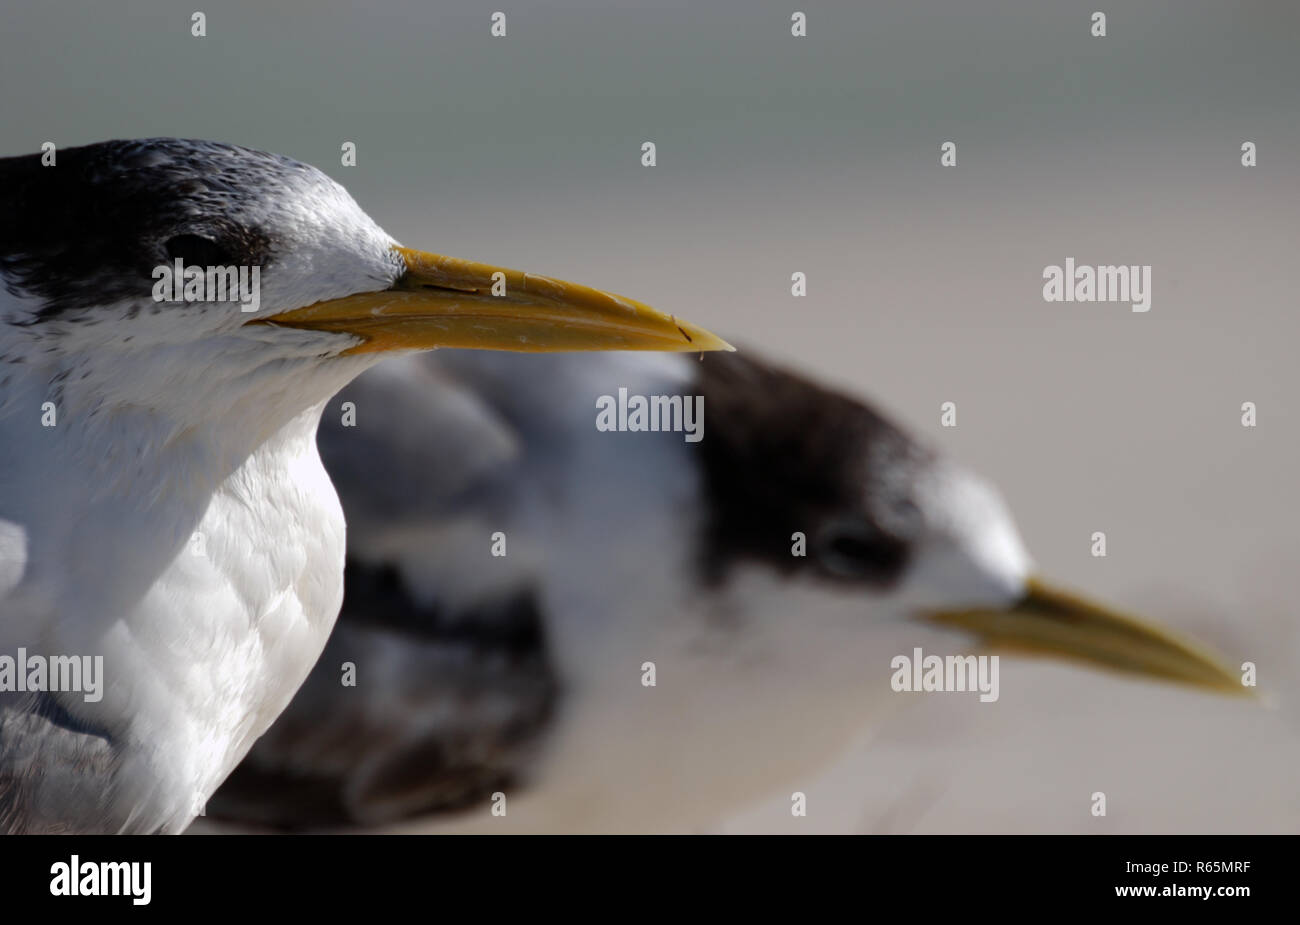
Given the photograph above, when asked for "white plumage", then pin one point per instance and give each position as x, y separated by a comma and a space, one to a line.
174, 516
176, 431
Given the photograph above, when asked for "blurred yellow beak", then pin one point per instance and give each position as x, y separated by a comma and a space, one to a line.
1054, 623
445, 302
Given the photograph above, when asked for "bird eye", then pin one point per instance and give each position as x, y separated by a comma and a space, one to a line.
853, 548
196, 250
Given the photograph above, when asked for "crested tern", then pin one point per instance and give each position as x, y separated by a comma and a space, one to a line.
162, 502
478, 677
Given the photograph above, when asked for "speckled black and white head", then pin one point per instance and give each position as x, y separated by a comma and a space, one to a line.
82, 237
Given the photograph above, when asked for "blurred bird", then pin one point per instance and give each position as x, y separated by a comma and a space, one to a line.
764, 576
162, 502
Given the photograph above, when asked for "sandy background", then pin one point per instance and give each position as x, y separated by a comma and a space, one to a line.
821, 155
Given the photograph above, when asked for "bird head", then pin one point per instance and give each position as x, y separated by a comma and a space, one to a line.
831, 495
90, 246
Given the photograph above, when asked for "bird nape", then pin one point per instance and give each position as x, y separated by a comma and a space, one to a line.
174, 314
552, 627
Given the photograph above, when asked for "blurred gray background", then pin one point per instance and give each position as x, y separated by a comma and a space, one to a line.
821, 154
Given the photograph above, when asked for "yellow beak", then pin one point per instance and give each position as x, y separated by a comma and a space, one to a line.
445, 302
1052, 622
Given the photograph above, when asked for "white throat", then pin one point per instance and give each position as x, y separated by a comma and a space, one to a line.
190, 537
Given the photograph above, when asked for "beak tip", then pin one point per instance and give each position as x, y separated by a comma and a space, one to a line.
1056, 623
697, 339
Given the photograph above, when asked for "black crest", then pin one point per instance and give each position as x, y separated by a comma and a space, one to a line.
782, 455
91, 228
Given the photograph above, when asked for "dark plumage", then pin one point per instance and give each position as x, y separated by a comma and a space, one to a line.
90, 229
785, 455
30, 774
488, 661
